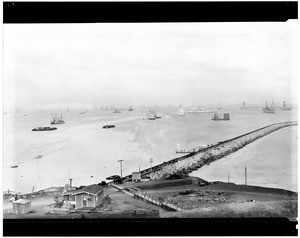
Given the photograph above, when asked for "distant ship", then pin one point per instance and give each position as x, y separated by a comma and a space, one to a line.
130, 109
38, 156
180, 111
57, 120
269, 109
217, 118
117, 110
44, 128
243, 107
219, 106
151, 115
285, 107
14, 166
202, 111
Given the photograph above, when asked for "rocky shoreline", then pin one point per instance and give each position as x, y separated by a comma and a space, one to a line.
193, 161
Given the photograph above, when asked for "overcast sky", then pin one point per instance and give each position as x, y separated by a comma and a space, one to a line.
169, 63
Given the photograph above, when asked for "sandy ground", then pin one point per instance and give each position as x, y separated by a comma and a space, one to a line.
82, 150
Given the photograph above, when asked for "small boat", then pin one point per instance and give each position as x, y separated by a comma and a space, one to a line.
14, 166
108, 126
38, 156
44, 128
130, 109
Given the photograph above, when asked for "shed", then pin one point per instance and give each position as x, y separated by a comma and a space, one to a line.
136, 176
22, 206
89, 196
68, 195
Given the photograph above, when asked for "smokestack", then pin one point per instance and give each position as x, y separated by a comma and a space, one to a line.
71, 183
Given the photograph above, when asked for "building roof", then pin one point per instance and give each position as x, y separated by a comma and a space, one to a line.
22, 201
69, 192
93, 189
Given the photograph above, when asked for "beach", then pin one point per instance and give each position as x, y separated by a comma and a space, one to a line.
80, 149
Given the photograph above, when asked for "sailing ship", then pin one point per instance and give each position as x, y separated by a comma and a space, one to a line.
219, 106
57, 120
269, 109
180, 111
151, 115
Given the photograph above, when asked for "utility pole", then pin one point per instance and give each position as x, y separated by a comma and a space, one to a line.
245, 174
120, 161
151, 161
228, 177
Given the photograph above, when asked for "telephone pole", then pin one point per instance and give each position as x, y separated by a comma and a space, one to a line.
120, 161
245, 174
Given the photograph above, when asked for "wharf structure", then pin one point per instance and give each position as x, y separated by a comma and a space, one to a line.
195, 160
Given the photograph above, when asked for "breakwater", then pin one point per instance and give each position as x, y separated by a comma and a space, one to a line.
195, 160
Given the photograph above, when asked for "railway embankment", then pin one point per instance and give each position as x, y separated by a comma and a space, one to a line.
193, 161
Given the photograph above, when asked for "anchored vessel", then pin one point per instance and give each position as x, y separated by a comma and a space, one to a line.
117, 110
151, 115
269, 109
57, 120
285, 107
44, 128
180, 111
217, 118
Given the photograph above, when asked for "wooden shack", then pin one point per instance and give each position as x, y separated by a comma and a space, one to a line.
136, 176
22, 206
89, 196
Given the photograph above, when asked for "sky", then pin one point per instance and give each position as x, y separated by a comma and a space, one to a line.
149, 63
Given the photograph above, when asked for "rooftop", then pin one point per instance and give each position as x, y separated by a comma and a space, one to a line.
91, 189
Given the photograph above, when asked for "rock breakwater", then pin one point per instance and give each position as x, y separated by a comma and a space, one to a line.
193, 161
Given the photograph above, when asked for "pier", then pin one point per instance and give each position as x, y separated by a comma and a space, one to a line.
195, 160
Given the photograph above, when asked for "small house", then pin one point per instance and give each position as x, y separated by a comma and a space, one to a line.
89, 196
22, 206
136, 176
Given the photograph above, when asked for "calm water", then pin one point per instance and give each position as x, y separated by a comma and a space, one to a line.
82, 150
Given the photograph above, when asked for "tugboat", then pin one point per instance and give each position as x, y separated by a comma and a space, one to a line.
44, 128
108, 126
267, 109
57, 120
180, 111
